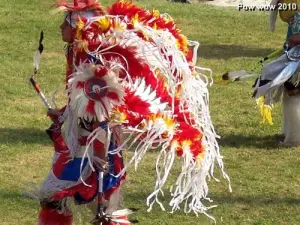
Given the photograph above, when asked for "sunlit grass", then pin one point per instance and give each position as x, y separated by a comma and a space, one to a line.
264, 178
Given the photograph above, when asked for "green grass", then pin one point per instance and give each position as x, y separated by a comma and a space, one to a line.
264, 178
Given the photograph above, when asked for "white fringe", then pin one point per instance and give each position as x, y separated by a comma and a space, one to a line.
71, 133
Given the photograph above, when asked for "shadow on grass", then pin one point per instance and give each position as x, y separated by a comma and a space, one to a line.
16, 198
257, 200
23, 135
231, 51
250, 141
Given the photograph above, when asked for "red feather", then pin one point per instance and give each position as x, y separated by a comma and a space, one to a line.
125, 8
187, 132
133, 120
90, 108
100, 71
80, 84
81, 5
196, 147
189, 56
113, 95
136, 104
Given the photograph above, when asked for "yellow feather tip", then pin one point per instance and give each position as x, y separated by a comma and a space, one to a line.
265, 111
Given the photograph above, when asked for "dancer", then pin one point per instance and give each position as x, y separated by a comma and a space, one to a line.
281, 77
70, 176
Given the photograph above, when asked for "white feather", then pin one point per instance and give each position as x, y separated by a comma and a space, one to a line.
122, 212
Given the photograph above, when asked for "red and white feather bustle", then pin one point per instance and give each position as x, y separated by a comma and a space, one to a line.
140, 73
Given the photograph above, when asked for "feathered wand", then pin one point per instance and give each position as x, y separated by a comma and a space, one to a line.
36, 62
118, 216
242, 74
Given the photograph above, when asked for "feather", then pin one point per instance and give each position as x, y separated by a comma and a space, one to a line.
113, 95
121, 221
122, 212
234, 75
279, 80
136, 104
90, 108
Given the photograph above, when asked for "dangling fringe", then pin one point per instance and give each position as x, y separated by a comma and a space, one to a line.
151, 134
71, 130
164, 164
191, 186
196, 97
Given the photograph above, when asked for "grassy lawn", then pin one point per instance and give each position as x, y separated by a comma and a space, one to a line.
264, 178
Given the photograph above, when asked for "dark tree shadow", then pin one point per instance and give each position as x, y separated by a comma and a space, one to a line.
231, 51
243, 140
23, 135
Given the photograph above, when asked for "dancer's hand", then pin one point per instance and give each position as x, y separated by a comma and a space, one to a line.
54, 114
